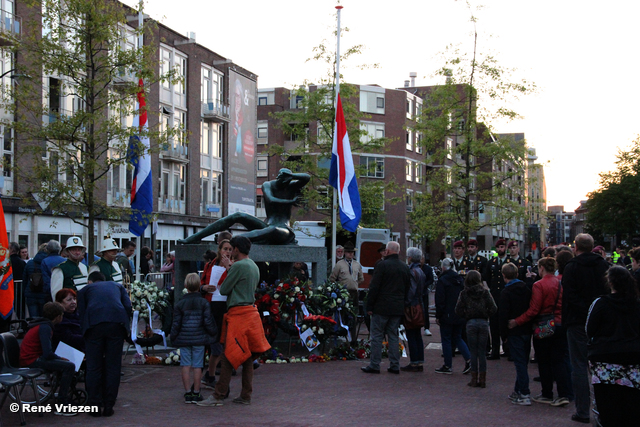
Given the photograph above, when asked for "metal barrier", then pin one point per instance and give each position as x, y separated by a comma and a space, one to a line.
160, 279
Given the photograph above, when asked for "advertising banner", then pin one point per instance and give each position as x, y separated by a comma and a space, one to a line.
242, 144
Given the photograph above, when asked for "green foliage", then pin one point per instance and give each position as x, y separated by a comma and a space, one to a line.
74, 101
614, 208
477, 177
308, 132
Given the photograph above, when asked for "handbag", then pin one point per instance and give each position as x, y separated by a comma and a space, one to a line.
544, 325
413, 317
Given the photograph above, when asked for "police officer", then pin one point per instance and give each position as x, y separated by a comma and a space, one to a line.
495, 281
107, 264
72, 273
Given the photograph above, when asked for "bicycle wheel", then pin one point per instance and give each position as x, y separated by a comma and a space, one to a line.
46, 384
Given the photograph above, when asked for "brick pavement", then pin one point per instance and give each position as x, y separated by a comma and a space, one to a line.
327, 394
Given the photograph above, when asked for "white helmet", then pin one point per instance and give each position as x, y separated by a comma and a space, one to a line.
75, 242
108, 244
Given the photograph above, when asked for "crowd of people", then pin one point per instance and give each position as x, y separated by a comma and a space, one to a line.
580, 311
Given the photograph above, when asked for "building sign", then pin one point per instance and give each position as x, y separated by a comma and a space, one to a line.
242, 144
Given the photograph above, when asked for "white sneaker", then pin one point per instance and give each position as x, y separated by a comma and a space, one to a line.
427, 333
523, 400
210, 401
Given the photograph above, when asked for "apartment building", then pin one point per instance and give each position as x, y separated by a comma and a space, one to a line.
203, 173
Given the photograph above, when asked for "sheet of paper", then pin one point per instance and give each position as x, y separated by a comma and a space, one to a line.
71, 354
216, 274
309, 339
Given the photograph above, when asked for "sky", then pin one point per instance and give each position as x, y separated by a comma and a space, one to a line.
580, 55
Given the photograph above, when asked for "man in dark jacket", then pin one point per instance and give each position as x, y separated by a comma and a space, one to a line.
17, 266
448, 288
104, 309
514, 300
582, 282
385, 304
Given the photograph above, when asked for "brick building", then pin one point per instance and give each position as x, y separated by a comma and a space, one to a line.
190, 172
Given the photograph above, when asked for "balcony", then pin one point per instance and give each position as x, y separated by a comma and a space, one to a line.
215, 111
174, 151
119, 197
10, 23
171, 204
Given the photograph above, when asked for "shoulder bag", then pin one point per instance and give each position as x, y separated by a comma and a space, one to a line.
544, 325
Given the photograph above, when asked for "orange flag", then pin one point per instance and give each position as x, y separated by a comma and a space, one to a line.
6, 273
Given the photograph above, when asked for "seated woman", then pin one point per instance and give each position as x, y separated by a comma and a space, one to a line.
68, 330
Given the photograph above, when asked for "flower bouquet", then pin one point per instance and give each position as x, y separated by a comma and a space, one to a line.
322, 326
332, 300
143, 293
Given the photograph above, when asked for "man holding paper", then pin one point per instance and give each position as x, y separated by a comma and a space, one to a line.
104, 309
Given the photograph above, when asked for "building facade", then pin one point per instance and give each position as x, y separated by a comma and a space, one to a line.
192, 186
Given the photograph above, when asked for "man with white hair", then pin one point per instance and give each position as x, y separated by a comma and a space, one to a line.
448, 288
385, 304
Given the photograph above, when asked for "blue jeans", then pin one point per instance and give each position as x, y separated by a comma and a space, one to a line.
577, 340
416, 346
35, 302
553, 364
477, 336
520, 348
452, 334
381, 325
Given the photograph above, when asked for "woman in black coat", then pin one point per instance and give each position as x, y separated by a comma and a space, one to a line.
613, 331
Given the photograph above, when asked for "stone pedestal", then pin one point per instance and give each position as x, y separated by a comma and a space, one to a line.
284, 255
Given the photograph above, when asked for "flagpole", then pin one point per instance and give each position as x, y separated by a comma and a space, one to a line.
140, 45
335, 191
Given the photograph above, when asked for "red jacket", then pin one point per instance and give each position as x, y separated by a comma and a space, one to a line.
543, 297
206, 277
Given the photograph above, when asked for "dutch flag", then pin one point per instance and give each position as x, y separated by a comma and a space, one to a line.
342, 175
142, 186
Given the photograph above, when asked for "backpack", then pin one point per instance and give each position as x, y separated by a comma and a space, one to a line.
36, 280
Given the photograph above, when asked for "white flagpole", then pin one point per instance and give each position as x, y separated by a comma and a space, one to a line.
335, 191
140, 238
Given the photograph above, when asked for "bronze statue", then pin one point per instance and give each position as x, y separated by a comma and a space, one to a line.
280, 195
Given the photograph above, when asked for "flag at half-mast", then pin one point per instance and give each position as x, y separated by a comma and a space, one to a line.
342, 174
6, 273
138, 155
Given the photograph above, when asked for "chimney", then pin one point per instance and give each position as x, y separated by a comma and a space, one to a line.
406, 83
413, 76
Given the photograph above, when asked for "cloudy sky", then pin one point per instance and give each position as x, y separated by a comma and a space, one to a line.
580, 54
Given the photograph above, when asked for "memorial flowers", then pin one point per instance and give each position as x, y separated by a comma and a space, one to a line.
143, 293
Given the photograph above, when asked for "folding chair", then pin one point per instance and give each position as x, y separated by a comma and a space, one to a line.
8, 382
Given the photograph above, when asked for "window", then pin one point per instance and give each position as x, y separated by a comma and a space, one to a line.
419, 173
409, 201
211, 193
324, 201
409, 140
449, 147
263, 132
419, 147
374, 166
408, 169
172, 187
373, 130
263, 166
119, 182
372, 99
262, 100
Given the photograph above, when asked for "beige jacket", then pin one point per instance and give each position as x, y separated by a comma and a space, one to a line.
341, 274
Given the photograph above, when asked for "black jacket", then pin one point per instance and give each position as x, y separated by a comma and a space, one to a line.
476, 302
448, 288
514, 300
17, 266
389, 287
193, 323
613, 330
582, 282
